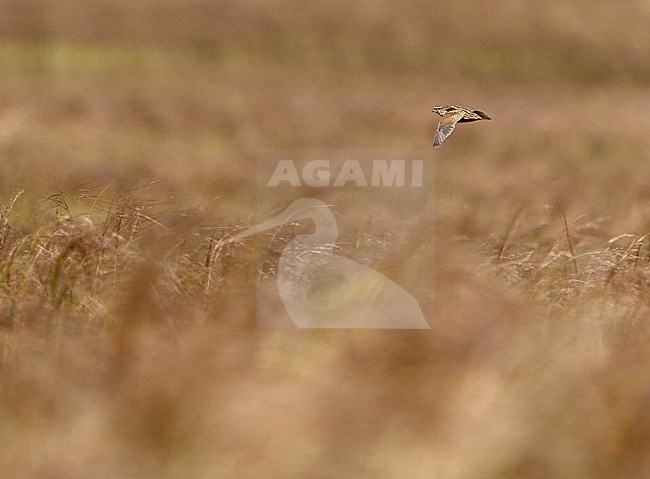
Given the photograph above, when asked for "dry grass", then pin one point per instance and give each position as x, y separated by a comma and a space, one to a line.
128, 344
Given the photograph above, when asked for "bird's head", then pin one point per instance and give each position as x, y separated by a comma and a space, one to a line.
442, 110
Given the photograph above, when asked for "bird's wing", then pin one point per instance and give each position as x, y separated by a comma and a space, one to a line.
446, 126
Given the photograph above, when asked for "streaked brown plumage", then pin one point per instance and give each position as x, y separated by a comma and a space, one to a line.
451, 115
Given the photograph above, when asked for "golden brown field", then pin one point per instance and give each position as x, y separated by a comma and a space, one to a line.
128, 341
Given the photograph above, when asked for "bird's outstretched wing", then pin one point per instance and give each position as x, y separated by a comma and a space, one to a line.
446, 126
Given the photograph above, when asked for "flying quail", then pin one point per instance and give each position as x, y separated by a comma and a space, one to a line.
450, 116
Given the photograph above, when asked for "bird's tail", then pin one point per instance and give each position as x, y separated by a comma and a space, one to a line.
482, 114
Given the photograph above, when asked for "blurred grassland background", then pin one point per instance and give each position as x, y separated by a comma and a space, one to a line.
128, 136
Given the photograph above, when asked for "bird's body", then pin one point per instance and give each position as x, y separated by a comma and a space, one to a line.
451, 115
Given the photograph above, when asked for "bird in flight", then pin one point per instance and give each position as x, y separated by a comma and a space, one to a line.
450, 116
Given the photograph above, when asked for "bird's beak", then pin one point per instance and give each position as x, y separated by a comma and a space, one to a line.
279, 220
295, 211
